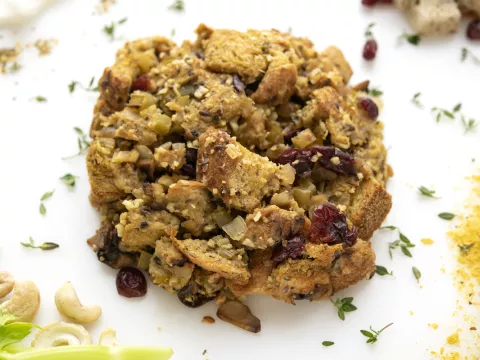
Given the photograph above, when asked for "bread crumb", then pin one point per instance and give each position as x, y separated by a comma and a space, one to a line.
427, 241
433, 326
208, 320
453, 339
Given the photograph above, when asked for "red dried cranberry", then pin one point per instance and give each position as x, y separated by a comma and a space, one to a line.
369, 2
329, 226
141, 83
131, 283
287, 137
473, 30
292, 250
191, 156
385, 1
370, 49
189, 170
370, 107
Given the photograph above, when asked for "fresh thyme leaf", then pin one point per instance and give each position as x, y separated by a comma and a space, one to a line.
91, 81
69, 180
344, 305
328, 343
416, 100
109, 30
14, 67
71, 86
457, 107
368, 30
382, 270
446, 216
44, 246
416, 273
204, 352
47, 195
427, 192
40, 99
375, 92
464, 249
413, 39
405, 251
172, 32
372, 337
388, 227
467, 53
404, 238
82, 141
469, 125
122, 21
42, 209
177, 5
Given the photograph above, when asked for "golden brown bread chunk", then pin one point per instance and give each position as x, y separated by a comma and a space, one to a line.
238, 176
337, 61
277, 86
217, 255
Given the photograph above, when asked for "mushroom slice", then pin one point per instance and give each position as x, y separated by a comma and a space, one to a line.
108, 338
68, 305
61, 334
24, 303
6, 283
239, 315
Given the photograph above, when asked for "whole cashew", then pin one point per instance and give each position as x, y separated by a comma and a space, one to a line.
69, 306
24, 303
61, 334
6, 283
108, 338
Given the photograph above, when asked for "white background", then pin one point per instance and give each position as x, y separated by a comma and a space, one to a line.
35, 137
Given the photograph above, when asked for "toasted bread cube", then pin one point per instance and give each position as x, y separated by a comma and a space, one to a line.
338, 61
434, 17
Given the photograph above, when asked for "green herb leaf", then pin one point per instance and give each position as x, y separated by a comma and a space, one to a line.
69, 180
14, 333
372, 336
368, 30
204, 352
416, 273
82, 141
446, 216
6, 317
464, 249
328, 343
404, 238
413, 39
367, 333
71, 86
375, 92
469, 125
405, 251
109, 30
416, 100
382, 270
122, 21
14, 67
457, 107
467, 53
47, 195
172, 32
349, 307
341, 314
177, 5
40, 99
427, 192
42, 209
344, 305
388, 227
44, 246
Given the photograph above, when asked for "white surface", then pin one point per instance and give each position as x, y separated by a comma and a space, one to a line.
34, 137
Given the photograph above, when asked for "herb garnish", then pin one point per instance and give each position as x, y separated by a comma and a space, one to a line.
328, 343
404, 243
172, 32
464, 249
416, 100
83, 143
73, 85
109, 30
413, 39
44, 197
373, 335
469, 125
69, 180
427, 192
43, 246
204, 352
177, 5
382, 270
14, 67
468, 53
368, 30
446, 216
344, 305
416, 273
40, 99
375, 92
442, 112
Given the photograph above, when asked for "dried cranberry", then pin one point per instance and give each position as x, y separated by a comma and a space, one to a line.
369, 2
301, 160
385, 1
238, 84
141, 83
292, 250
473, 30
370, 107
329, 226
191, 156
370, 49
131, 283
200, 55
189, 170
289, 135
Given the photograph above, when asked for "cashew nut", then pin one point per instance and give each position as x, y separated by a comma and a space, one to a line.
108, 338
69, 306
6, 283
61, 334
24, 303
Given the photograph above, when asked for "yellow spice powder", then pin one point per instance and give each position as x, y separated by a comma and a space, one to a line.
453, 339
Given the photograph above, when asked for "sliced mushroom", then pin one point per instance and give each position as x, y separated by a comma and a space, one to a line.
6, 283
61, 334
69, 305
108, 338
24, 303
239, 315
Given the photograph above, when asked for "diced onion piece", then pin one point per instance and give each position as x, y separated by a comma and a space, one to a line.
304, 139
142, 99
235, 229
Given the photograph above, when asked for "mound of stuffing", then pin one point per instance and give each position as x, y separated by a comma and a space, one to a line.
239, 164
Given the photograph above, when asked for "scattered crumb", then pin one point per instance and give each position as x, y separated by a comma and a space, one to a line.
8, 59
427, 241
44, 47
159, 329
411, 312
473, 328
433, 326
104, 5
454, 339
208, 320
